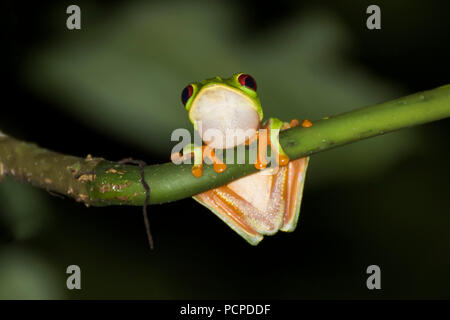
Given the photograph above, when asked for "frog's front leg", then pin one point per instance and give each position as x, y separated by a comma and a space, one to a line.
199, 152
196, 151
270, 136
208, 152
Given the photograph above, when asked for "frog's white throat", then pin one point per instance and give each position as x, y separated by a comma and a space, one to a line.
224, 117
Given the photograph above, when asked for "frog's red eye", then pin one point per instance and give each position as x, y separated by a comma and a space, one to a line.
248, 81
186, 94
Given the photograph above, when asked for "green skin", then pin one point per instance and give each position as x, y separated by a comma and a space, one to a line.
274, 125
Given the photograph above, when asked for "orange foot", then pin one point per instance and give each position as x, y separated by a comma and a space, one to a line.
263, 137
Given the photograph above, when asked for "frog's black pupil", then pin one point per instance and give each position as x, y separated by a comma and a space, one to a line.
185, 95
250, 82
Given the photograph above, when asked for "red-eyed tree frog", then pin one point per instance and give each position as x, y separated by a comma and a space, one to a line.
259, 204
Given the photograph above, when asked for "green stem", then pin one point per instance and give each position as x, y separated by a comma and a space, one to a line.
100, 182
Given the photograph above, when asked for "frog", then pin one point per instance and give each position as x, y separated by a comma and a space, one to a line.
264, 202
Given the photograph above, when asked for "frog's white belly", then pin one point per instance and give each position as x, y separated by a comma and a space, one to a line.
224, 117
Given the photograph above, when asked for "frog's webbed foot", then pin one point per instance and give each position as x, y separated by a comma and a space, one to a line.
199, 152
269, 136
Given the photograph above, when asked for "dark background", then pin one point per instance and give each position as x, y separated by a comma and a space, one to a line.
382, 202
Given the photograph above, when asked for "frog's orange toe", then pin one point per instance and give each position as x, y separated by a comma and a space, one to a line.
175, 157
219, 167
197, 171
294, 123
260, 164
306, 123
283, 160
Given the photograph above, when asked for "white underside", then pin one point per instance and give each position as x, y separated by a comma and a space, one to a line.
224, 117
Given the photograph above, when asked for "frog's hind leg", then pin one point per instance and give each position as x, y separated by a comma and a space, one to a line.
232, 216
295, 182
252, 206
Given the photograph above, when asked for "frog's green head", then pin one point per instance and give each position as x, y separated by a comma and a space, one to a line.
223, 104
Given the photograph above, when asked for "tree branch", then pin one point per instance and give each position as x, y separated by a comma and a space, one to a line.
99, 182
